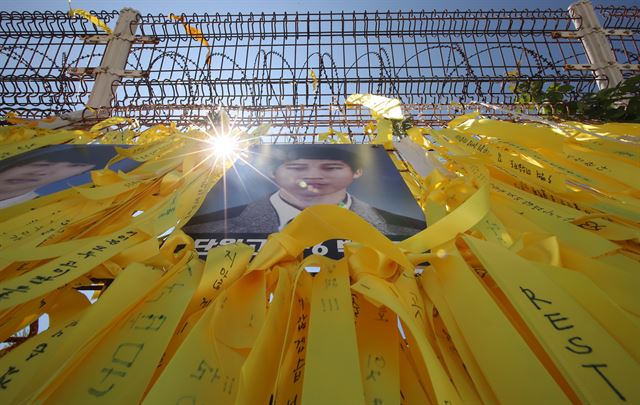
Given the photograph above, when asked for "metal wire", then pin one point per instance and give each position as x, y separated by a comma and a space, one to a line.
36, 50
626, 48
260, 65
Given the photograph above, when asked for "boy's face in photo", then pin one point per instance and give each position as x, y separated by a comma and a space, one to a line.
32, 175
306, 178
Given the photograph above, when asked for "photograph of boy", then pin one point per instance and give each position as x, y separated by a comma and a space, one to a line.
305, 175
51, 169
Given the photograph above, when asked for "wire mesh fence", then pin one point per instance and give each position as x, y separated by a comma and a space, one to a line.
36, 50
627, 47
295, 70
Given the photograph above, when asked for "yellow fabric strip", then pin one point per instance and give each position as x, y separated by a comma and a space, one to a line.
18, 229
90, 17
148, 151
196, 373
224, 265
542, 151
602, 164
16, 148
494, 231
459, 221
454, 364
110, 122
52, 251
582, 201
625, 151
120, 366
41, 356
108, 191
69, 303
260, 369
21, 316
193, 32
621, 284
194, 194
381, 292
384, 107
411, 296
290, 375
238, 322
58, 272
440, 308
384, 132
543, 309
546, 216
327, 222
616, 321
529, 135
416, 359
512, 159
379, 351
411, 391
332, 341
596, 366
512, 370
314, 79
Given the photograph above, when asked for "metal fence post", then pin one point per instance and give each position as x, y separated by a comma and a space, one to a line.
596, 44
114, 59
108, 74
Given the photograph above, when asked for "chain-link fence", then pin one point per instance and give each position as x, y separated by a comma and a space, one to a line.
295, 70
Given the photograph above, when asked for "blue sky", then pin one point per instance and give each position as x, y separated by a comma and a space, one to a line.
212, 6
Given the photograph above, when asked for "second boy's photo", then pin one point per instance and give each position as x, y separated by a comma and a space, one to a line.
54, 168
265, 191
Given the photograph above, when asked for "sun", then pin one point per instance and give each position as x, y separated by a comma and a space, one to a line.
224, 146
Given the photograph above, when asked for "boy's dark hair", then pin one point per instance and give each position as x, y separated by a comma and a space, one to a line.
275, 155
98, 155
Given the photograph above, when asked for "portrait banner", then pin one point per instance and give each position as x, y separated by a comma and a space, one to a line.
271, 184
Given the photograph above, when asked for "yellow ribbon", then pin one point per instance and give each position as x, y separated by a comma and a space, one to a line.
91, 18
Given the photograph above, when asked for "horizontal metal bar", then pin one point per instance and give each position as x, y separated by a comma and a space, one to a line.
580, 34
92, 72
587, 66
103, 39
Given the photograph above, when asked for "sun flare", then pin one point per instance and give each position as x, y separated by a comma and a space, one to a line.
224, 146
